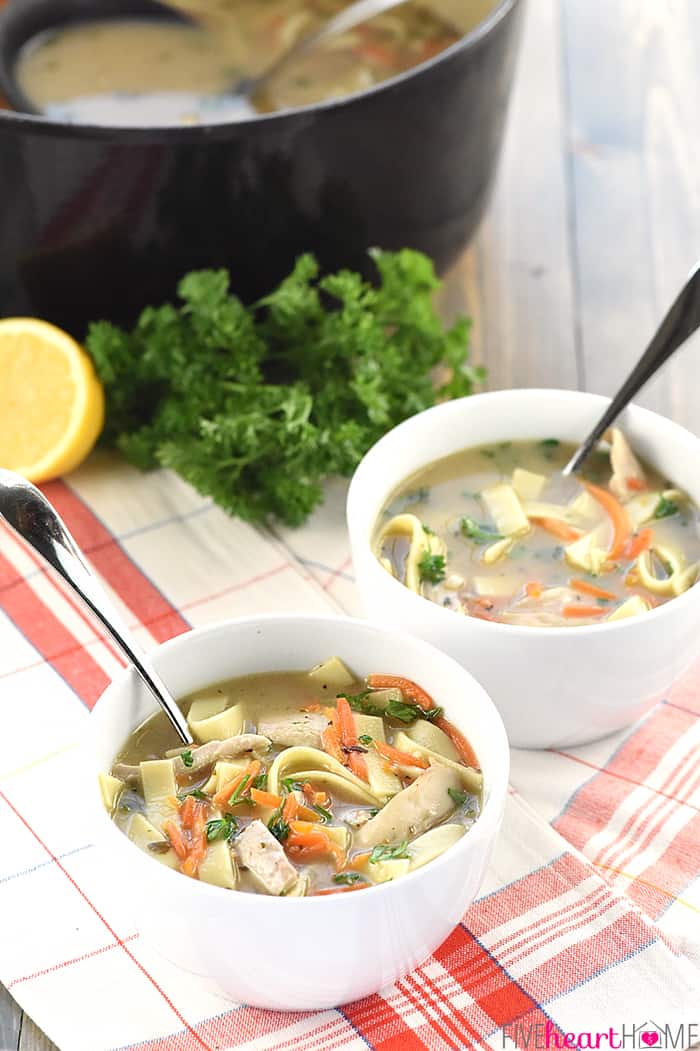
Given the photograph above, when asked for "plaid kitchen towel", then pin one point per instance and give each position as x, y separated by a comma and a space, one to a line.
587, 930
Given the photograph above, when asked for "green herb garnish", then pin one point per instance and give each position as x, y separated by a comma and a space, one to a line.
260, 781
365, 739
385, 852
325, 815
236, 796
457, 797
427, 529
432, 568
665, 508
196, 792
290, 784
346, 879
255, 405
187, 757
473, 531
404, 711
278, 826
222, 828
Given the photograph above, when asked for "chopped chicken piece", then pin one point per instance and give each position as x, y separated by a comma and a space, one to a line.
259, 852
413, 810
294, 728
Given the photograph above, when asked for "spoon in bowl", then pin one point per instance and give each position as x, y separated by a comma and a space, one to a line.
351, 16
33, 518
679, 323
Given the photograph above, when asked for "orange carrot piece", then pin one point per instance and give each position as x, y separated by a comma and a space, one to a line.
309, 846
408, 687
534, 589
466, 752
176, 838
314, 798
591, 589
268, 799
331, 744
618, 516
339, 890
584, 611
198, 849
398, 758
224, 794
558, 529
349, 739
187, 812
638, 543
636, 484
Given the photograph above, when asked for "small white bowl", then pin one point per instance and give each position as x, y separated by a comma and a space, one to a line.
299, 953
554, 687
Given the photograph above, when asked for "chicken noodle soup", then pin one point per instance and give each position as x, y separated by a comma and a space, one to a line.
136, 71
300, 783
498, 533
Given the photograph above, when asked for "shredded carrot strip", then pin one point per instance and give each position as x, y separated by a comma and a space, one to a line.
339, 890
293, 809
224, 794
314, 798
307, 846
636, 484
408, 687
348, 737
466, 752
331, 744
534, 589
559, 529
422, 698
187, 813
591, 589
176, 838
618, 516
398, 758
198, 848
639, 543
268, 799
584, 611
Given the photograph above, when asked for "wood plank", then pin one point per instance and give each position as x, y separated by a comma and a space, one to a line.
32, 1039
634, 111
10, 1021
515, 280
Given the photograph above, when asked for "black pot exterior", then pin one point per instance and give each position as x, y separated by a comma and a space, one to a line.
99, 222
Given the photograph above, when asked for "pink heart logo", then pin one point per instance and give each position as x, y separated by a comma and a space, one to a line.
650, 1038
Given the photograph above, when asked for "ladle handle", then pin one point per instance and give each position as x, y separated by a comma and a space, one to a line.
681, 320
32, 517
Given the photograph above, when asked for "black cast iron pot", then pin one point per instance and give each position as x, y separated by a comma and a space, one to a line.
98, 221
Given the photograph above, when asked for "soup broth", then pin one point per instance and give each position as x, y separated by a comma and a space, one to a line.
496, 532
300, 783
134, 71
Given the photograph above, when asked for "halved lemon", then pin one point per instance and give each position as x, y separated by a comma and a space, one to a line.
51, 401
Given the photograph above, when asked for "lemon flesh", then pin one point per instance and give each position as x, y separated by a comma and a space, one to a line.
51, 401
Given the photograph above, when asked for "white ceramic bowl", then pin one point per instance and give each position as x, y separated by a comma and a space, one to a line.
554, 687
300, 953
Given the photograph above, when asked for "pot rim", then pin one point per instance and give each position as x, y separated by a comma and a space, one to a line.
221, 129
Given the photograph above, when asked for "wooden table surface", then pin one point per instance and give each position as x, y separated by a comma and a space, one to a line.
594, 222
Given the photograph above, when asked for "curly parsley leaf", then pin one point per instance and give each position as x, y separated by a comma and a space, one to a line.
255, 405
432, 568
665, 508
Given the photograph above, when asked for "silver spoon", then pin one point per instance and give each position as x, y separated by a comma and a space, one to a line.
681, 320
353, 15
33, 518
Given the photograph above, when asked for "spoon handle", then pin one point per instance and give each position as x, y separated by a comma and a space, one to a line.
32, 517
681, 320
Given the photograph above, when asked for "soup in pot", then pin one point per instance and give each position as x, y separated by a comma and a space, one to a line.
139, 71
300, 783
498, 533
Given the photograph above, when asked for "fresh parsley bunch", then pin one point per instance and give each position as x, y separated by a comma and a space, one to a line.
255, 405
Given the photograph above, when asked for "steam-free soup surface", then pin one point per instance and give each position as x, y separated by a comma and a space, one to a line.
300, 783
134, 71
496, 532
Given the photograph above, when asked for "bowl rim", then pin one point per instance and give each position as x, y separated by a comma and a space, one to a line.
479, 836
167, 132
527, 631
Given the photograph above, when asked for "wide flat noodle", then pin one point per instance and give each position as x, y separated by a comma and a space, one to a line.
311, 764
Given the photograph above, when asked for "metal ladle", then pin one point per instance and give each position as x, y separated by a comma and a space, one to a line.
33, 518
679, 323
